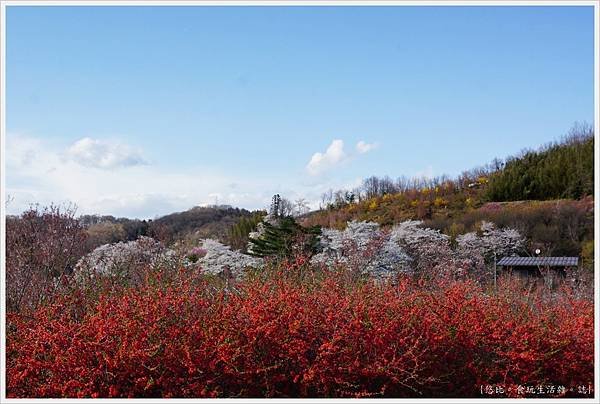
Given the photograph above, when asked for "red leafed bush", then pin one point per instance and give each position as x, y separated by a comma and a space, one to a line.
42, 247
277, 336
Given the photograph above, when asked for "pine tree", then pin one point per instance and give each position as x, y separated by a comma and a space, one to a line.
284, 239
237, 237
275, 210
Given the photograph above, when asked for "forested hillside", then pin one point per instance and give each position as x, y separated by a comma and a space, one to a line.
195, 223
561, 174
201, 222
560, 170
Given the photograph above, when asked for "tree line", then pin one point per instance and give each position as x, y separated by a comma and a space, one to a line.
559, 170
562, 169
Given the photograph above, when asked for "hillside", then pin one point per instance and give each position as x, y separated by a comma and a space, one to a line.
198, 222
559, 170
550, 191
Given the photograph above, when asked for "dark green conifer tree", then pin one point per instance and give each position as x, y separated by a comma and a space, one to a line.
283, 236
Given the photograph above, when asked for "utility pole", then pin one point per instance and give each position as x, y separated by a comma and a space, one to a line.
494, 269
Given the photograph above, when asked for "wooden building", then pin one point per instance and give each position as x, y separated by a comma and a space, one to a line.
551, 269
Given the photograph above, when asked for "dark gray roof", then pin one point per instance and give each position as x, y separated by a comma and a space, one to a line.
539, 261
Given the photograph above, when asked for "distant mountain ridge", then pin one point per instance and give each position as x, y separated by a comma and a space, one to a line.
197, 222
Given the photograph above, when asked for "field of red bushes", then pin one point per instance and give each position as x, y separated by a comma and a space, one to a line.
294, 332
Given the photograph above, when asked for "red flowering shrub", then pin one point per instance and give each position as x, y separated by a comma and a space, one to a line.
42, 246
279, 336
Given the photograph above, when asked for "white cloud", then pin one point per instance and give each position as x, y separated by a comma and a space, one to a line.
334, 155
427, 173
103, 154
22, 150
363, 147
38, 172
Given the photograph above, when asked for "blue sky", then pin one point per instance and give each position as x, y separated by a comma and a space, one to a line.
141, 111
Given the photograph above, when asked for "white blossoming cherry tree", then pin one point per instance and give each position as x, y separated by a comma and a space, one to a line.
488, 245
126, 262
364, 248
220, 259
430, 250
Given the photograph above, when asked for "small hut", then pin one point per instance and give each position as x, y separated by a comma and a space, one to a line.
551, 269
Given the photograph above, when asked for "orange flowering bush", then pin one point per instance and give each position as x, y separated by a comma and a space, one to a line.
315, 335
